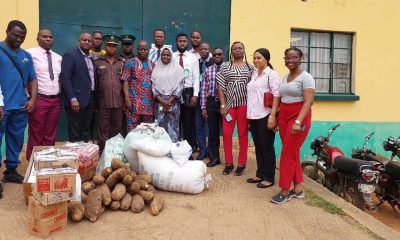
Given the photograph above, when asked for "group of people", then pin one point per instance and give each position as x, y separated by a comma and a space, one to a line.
190, 93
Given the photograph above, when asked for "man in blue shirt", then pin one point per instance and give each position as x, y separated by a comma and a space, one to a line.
19, 85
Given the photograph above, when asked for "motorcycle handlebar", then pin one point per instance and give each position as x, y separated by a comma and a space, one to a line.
369, 136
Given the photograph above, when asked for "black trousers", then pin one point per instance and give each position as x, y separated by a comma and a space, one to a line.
79, 122
264, 145
187, 117
214, 121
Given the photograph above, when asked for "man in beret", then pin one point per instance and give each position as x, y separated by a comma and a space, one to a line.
127, 42
110, 98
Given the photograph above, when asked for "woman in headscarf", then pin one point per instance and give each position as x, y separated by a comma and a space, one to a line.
168, 79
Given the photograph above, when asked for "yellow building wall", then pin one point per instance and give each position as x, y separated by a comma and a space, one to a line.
26, 11
267, 23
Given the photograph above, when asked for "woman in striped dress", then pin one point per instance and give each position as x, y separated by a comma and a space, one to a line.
232, 89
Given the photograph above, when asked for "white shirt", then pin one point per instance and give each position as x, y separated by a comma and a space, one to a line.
191, 69
268, 81
46, 86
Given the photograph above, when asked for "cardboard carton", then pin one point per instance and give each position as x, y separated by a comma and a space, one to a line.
37, 211
46, 227
53, 197
54, 181
59, 157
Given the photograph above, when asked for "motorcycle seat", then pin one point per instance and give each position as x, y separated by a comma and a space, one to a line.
393, 169
351, 165
378, 158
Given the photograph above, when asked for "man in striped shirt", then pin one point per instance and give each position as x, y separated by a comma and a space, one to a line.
210, 105
159, 42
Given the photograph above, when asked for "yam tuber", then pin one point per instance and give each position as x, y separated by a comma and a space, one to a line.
151, 188
126, 202
137, 204
106, 172
134, 188
143, 184
112, 180
127, 180
144, 177
116, 163
115, 205
76, 210
157, 205
146, 195
119, 192
98, 180
93, 205
105, 194
87, 186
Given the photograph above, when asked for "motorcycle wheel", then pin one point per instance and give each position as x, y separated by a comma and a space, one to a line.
354, 196
310, 170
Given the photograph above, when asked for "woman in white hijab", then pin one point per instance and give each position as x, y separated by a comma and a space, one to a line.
168, 79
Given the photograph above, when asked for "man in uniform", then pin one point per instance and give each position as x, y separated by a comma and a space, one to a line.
110, 100
97, 43
127, 42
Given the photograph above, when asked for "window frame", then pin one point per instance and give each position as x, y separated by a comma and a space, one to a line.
330, 95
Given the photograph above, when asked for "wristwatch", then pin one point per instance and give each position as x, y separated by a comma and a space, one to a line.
297, 122
223, 106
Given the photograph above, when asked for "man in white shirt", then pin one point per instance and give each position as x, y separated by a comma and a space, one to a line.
159, 42
190, 65
43, 120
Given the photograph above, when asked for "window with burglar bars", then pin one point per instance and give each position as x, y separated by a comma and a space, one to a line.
327, 56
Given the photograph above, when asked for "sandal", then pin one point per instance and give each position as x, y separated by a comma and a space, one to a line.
253, 180
262, 185
239, 170
228, 169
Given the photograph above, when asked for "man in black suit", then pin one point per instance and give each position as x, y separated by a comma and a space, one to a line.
78, 79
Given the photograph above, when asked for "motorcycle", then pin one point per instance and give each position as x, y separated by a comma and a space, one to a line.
352, 179
388, 188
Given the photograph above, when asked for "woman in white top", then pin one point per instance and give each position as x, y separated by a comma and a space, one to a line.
297, 96
262, 119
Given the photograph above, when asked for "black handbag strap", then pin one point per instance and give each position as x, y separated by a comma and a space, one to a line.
12, 59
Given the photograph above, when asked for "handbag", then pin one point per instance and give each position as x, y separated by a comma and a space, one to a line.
268, 97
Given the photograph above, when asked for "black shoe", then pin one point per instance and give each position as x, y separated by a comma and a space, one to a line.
214, 162
239, 170
201, 156
191, 157
228, 169
11, 175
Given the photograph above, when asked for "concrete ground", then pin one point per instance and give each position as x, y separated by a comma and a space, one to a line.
229, 209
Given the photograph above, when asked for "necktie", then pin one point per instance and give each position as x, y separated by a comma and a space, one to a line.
203, 66
158, 53
181, 59
218, 67
50, 64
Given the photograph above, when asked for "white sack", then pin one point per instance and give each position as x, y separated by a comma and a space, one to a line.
167, 175
181, 152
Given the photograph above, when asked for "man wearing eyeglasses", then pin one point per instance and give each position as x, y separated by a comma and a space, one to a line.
210, 105
78, 78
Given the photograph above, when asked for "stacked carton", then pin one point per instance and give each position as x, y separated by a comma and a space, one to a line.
53, 177
88, 156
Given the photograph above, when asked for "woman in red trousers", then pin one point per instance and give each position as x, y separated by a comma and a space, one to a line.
232, 90
294, 121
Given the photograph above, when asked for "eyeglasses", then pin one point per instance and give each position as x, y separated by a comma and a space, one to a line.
292, 59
